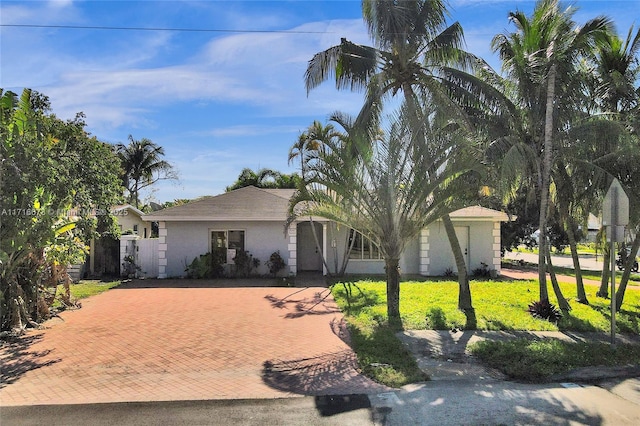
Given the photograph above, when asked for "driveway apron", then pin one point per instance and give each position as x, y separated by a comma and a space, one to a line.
163, 344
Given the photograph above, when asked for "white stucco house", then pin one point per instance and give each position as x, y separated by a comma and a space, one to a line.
253, 219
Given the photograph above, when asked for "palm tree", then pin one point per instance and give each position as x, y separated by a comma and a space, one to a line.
541, 58
617, 69
389, 188
415, 53
142, 166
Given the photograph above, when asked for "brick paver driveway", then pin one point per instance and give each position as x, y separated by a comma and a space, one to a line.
185, 343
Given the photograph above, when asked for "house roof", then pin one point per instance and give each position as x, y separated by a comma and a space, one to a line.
127, 207
244, 204
478, 213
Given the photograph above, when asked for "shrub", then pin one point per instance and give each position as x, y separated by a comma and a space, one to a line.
543, 309
245, 263
209, 265
275, 263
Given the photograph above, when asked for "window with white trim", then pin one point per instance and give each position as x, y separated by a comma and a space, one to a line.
363, 247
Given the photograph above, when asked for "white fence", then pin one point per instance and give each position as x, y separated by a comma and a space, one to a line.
145, 255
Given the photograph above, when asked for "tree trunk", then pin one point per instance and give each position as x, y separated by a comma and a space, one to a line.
573, 245
393, 292
606, 274
546, 177
464, 292
562, 302
627, 271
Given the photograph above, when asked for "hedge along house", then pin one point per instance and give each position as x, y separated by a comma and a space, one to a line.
253, 220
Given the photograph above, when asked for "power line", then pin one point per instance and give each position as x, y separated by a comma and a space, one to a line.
193, 30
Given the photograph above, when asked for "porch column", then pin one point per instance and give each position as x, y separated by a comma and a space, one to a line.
324, 247
292, 260
424, 252
162, 249
496, 247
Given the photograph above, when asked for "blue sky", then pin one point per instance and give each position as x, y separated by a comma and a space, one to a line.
217, 101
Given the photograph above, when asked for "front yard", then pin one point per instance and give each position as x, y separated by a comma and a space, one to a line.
499, 305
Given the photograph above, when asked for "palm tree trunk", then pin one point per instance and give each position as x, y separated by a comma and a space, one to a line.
393, 292
546, 177
573, 245
562, 302
603, 291
627, 271
464, 292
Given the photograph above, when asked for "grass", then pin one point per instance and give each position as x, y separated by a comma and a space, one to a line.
634, 278
538, 360
499, 305
87, 288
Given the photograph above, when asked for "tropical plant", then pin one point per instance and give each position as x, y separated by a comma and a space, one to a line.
416, 53
57, 187
263, 178
390, 188
541, 62
142, 166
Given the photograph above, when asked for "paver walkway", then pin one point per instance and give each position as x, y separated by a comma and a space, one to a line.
181, 343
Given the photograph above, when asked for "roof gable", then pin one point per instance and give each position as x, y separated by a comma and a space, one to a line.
244, 204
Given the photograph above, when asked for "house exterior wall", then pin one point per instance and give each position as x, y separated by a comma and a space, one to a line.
484, 246
127, 221
184, 241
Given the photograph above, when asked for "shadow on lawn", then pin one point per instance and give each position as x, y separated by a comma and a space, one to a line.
17, 358
334, 373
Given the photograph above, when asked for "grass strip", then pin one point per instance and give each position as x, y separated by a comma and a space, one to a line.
538, 360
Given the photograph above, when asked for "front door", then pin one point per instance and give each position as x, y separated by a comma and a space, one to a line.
462, 232
309, 255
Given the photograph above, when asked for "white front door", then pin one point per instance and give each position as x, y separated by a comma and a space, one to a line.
309, 255
462, 232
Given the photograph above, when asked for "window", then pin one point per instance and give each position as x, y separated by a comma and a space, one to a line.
135, 229
363, 247
221, 241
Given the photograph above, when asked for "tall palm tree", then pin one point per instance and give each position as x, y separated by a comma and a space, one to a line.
617, 70
541, 59
142, 166
415, 53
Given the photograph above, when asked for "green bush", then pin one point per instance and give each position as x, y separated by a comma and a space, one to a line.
245, 263
276, 263
209, 265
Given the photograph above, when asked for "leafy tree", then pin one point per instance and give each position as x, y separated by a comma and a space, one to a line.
142, 166
57, 187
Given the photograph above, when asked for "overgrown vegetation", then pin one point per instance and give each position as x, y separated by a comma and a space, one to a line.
537, 360
58, 185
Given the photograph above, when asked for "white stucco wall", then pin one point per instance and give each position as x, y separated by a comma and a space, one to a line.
481, 246
126, 222
188, 240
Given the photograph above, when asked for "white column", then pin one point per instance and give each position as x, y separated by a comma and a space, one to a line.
324, 247
496, 247
424, 252
292, 260
162, 249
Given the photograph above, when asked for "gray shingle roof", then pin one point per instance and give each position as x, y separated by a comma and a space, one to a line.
248, 203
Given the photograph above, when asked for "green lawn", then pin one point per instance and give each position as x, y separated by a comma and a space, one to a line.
87, 288
499, 305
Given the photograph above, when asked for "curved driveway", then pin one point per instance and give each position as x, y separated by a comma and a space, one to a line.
185, 343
